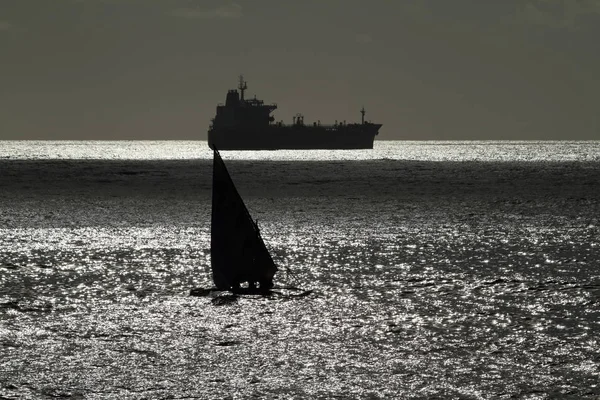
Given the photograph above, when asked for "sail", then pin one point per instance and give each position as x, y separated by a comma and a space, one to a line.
238, 253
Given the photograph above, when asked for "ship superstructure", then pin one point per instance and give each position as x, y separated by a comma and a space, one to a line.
247, 124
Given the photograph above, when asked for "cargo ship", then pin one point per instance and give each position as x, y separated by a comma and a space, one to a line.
247, 124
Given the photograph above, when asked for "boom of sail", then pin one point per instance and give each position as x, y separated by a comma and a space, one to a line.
238, 252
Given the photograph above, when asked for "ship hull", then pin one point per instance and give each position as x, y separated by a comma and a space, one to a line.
354, 136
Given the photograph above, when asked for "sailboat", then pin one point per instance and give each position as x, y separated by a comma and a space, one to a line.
240, 261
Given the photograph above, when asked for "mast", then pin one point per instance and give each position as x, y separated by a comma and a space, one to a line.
362, 111
242, 86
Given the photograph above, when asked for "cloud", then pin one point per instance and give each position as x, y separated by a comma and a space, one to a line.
417, 8
363, 38
6, 26
96, 2
557, 13
233, 10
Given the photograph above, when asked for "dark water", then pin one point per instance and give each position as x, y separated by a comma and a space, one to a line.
439, 270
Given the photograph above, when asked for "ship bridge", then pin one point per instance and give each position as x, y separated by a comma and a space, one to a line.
238, 111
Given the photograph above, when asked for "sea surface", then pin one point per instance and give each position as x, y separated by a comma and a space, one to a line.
439, 270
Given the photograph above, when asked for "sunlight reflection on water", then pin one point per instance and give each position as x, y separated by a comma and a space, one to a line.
390, 313
392, 150
448, 286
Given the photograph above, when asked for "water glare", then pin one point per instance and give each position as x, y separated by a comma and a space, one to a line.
439, 270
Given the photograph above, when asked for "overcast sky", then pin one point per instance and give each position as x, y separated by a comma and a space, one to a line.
425, 69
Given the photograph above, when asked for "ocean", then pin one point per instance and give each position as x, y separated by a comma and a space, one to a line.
439, 270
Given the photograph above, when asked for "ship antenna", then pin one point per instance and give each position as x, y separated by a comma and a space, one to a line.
242, 86
362, 111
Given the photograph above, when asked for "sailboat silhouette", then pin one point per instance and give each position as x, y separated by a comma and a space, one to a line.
238, 252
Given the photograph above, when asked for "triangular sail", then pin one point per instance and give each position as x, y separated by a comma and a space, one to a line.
238, 253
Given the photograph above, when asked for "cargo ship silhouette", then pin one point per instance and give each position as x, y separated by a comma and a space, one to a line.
247, 124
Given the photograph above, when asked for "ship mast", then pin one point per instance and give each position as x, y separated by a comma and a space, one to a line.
242, 86
362, 111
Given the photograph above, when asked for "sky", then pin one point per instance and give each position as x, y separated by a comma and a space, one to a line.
425, 69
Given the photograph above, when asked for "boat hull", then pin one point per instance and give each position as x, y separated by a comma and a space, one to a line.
355, 136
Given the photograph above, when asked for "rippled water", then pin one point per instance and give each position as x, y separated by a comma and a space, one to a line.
439, 270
